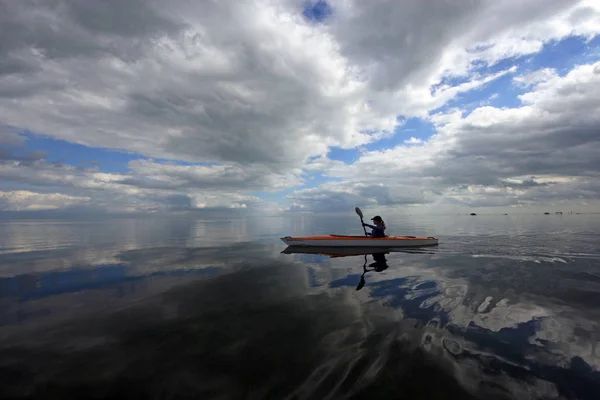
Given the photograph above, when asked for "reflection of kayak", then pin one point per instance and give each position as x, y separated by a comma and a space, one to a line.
335, 252
359, 241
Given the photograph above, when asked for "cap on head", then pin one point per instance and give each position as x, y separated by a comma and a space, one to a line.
376, 218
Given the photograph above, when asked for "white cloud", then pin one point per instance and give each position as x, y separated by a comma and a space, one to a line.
173, 176
533, 78
20, 200
413, 140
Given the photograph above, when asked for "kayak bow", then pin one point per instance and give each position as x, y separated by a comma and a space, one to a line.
359, 241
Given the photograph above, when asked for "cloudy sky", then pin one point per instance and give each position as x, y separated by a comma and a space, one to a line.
274, 105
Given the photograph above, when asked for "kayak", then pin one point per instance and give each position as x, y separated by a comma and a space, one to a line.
338, 252
359, 241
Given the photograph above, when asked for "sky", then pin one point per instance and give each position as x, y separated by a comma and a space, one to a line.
275, 106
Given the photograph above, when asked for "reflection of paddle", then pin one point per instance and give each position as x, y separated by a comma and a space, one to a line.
360, 214
361, 284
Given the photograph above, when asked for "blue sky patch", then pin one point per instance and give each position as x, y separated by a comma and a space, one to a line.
502, 92
60, 151
563, 55
317, 11
347, 156
413, 127
76, 155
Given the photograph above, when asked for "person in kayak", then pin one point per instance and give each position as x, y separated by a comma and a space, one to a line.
378, 230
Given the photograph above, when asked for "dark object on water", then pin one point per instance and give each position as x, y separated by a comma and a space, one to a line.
472, 214
546, 213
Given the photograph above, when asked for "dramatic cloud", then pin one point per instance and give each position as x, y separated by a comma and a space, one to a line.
223, 100
485, 158
214, 86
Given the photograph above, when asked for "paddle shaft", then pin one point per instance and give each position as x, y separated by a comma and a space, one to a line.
360, 214
364, 229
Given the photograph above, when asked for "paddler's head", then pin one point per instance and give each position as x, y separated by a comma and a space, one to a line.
377, 220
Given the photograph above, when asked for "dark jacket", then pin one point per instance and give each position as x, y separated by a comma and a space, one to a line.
377, 231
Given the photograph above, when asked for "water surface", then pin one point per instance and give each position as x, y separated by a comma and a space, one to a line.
505, 307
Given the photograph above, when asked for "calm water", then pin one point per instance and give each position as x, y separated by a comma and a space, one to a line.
505, 307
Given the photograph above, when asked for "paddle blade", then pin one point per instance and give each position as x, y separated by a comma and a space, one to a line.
359, 212
361, 284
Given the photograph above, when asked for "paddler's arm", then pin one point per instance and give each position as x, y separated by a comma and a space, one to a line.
380, 229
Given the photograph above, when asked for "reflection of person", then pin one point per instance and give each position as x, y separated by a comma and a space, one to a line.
379, 265
378, 230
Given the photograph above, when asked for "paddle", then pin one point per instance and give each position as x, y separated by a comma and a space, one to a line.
360, 214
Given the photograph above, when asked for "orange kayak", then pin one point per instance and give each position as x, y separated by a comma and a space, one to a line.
338, 252
359, 241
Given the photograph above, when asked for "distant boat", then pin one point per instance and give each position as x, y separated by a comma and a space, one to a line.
558, 213
505, 214
546, 213
472, 214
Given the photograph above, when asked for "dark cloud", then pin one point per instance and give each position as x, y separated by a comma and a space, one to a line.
525, 183
22, 87
564, 146
10, 66
13, 148
381, 50
69, 28
26, 157
133, 18
341, 196
10, 138
378, 35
